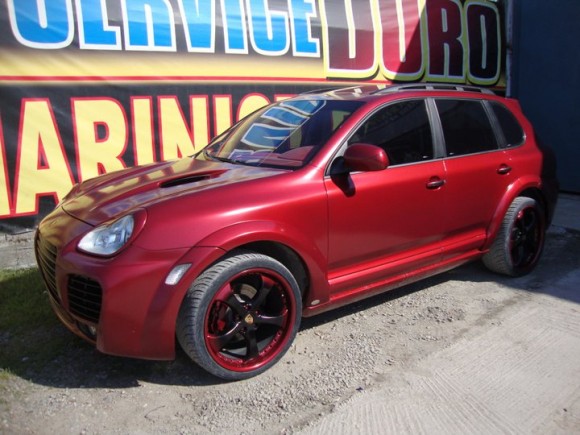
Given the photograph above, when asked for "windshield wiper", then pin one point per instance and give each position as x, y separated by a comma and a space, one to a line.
228, 160
216, 158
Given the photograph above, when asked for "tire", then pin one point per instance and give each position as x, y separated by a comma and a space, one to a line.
240, 316
519, 243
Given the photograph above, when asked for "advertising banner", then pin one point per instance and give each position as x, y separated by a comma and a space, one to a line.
94, 86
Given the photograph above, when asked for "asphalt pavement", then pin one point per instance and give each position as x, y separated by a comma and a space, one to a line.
568, 212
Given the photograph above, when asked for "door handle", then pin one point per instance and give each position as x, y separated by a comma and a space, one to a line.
504, 169
435, 183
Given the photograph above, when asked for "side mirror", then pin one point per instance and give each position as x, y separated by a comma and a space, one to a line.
365, 157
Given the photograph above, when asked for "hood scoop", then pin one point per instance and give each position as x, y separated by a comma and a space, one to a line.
189, 179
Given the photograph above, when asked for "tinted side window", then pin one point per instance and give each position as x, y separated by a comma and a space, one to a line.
466, 127
402, 130
512, 130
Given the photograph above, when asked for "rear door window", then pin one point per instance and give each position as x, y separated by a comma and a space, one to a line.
466, 127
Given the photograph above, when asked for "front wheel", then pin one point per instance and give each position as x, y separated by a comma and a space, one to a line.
520, 240
240, 316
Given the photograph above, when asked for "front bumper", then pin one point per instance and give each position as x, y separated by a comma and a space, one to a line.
122, 303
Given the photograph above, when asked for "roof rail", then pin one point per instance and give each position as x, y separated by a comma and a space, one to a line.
320, 90
434, 87
360, 88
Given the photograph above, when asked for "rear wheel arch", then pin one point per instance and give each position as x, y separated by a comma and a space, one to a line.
537, 194
518, 245
528, 188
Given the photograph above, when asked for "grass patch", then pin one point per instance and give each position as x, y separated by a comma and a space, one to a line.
4, 374
30, 334
23, 301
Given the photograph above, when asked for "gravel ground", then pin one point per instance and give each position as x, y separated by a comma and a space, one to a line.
336, 357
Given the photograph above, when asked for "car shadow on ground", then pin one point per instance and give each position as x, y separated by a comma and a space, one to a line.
50, 355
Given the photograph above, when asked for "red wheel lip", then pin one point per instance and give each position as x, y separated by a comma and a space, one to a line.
540, 228
240, 365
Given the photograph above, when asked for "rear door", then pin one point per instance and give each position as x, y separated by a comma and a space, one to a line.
478, 172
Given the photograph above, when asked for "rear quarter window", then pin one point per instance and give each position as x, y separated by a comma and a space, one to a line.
513, 132
466, 127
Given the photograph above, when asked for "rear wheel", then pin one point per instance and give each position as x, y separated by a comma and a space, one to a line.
520, 240
240, 316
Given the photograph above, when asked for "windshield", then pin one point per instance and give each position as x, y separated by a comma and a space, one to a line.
284, 135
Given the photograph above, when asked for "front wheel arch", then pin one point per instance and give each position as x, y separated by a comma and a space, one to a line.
285, 255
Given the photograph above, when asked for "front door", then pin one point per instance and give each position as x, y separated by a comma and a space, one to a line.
384, 224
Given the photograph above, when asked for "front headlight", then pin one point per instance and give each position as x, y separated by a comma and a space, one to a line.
107, 239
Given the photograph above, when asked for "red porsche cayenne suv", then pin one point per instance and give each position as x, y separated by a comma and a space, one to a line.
303, 206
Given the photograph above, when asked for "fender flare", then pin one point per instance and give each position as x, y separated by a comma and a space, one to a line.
512, 192
311, 253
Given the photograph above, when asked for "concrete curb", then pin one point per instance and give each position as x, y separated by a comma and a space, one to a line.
17, 250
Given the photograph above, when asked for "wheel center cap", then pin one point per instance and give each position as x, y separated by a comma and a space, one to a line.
249, 319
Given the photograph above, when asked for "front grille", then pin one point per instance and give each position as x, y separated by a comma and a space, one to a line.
84, 298
46, 258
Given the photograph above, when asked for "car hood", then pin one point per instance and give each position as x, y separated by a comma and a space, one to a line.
103, 198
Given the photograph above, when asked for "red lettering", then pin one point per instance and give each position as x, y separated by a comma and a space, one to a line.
445, 47
350, 41
484, 39
402, 46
